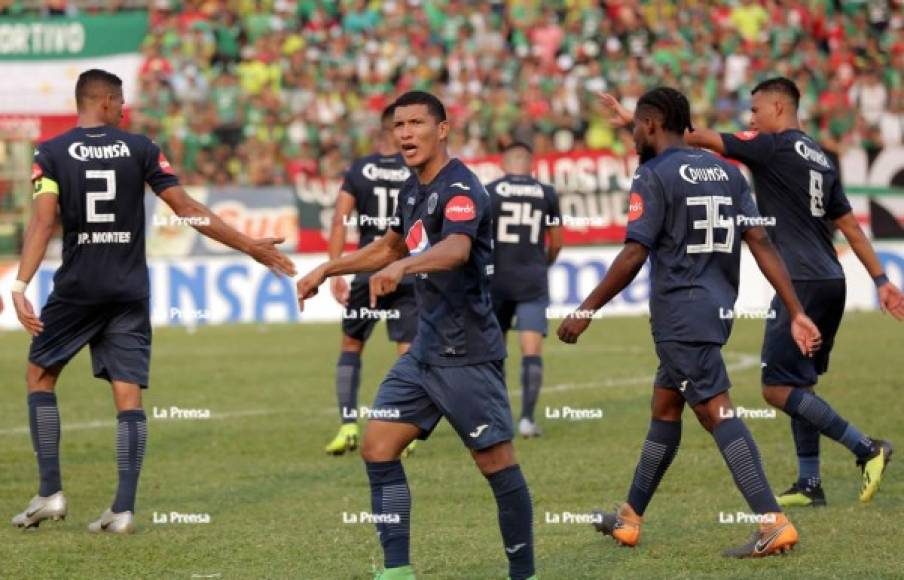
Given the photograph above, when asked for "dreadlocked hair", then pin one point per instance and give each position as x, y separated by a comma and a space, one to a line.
672, 105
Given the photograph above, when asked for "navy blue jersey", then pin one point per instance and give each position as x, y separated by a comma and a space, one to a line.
456, 325
522, 209
374, 181
797, 185
99, 176
689, 208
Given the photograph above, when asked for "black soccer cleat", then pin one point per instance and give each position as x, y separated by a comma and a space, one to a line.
801, 495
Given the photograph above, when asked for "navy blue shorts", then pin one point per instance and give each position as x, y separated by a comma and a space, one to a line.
399, 309
694, 369
472, 397
528, 315
119, 335
782, 362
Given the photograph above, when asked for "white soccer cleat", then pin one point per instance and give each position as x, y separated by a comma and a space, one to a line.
113, 523
528, 428
53, 507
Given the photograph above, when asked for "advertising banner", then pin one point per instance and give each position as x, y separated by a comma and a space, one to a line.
194, 291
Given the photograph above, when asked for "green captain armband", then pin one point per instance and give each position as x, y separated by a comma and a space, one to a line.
44, 184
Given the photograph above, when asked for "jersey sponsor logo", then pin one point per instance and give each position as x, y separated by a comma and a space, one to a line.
36, 172
417, 240
460, 185
81, 152
695, 175
460, 209
811, 153
507, 189
374, 172
635, 206
164, 164
746, 135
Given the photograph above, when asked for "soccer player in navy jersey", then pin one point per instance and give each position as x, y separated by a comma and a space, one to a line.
370, 189
798, 186
454, 367
525, 212
688, 212
93, 177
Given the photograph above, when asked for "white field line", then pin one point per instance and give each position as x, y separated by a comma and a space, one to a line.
108, 424
743, 361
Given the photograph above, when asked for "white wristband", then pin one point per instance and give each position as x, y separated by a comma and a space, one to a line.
19, 286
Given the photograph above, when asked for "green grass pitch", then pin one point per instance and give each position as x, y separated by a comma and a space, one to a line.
276, 502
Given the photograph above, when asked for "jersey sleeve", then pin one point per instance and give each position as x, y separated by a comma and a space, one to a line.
646, 209
464, 209
554, 210
348, 180
43, 173
749, 147
746, 205
158, 173
837, 205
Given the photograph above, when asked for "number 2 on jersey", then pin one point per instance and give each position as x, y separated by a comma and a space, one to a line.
107, 194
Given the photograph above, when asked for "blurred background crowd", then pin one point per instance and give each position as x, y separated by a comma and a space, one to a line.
249, 92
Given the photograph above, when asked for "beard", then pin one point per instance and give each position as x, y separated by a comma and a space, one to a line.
646, 153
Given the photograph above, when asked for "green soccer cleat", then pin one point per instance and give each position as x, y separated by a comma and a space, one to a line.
873, 467
410, 449
399, 573
802, 496
345, 440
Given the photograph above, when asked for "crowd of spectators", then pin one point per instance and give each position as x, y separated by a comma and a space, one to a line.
253, 91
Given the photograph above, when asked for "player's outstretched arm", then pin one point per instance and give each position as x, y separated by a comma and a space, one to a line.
804, 331
706, 139
453, 251
37, 236
618, 115
345, 203
263, 250
891, 299
623, 270
372, 257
